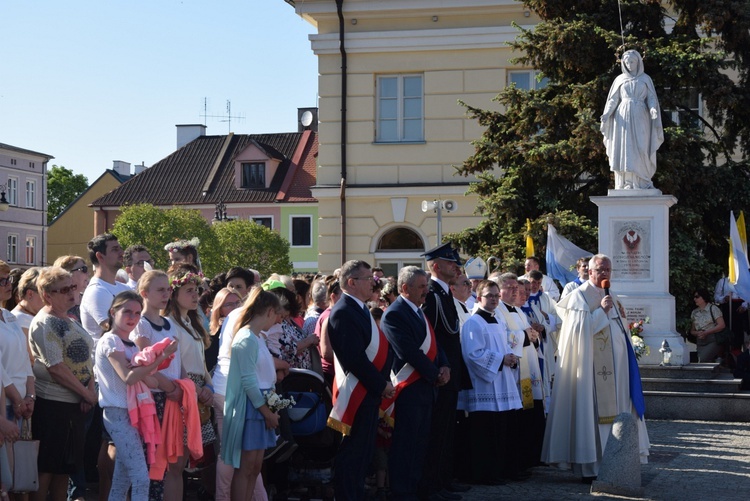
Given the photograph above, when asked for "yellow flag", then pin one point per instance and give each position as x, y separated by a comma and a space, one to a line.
743, 242
529, 240
742, 231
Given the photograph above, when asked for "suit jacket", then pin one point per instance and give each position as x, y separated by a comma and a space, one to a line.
406, 332
447, 331
350, 331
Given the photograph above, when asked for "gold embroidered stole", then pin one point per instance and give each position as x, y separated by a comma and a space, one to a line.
604, 363
515, 344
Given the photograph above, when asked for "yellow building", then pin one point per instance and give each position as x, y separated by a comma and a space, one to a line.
406, 65
69, 233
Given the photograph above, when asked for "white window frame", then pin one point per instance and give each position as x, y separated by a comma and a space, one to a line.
254, 217
31, 194
30, 247
675, 114
292, 217
532, 74
12, 190
400, 109
12, 249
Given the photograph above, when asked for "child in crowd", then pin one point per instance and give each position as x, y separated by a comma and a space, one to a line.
153, 286
114, 372
248, 421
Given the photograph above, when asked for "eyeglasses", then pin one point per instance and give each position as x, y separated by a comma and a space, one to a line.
66, 290
144, 261
6, 281
492, 296
233, 304
82, 268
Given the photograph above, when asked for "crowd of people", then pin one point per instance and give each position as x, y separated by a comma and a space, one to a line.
442, 377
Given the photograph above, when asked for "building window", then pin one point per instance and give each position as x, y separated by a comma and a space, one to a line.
689, 110
13, 161
301, 232
32, 165
12, 191
266, 221
253, 175
30, 250
12, 248
527, 80
31, 194
400, 109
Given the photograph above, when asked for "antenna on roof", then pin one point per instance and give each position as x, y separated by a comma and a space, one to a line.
223, 118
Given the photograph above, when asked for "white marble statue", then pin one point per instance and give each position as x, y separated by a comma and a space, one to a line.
631, 125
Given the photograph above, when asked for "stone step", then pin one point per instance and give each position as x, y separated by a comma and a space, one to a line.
724, 407
690, 371
691, 385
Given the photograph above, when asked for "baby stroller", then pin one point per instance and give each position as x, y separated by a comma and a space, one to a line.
311, 465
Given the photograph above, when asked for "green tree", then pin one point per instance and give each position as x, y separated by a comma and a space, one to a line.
252, 245
549, 148
63, 187
223, 245
148, 225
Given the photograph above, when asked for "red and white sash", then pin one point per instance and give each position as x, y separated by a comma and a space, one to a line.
348, 391
407, 375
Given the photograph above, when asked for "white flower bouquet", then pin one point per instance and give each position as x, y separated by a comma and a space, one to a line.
275, 402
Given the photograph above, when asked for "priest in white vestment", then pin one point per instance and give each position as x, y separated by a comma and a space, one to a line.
596, 377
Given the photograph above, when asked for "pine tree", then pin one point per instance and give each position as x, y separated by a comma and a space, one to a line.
542, 156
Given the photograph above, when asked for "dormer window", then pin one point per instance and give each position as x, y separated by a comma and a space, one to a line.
253, 175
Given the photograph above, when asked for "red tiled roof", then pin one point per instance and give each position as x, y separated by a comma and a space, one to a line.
179, 179
304, 178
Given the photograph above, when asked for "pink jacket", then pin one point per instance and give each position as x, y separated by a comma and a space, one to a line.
142, 410
171, 446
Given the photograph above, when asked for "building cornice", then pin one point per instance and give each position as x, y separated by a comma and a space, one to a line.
321, 192
418, 40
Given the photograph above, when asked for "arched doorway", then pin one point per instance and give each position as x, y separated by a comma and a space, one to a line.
399, 247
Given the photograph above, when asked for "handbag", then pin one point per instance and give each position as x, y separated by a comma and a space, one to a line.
723, 336
24, 466
308, 415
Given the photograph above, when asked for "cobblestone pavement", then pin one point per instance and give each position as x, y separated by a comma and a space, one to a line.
690, 460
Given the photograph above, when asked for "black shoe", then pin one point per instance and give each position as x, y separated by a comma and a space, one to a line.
456, 487
518, 476
587, 480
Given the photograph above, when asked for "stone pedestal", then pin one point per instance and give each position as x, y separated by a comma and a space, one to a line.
634, 232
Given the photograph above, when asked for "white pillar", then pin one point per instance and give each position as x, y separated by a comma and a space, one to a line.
634, 232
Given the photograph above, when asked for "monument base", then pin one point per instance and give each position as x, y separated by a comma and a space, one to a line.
634, 233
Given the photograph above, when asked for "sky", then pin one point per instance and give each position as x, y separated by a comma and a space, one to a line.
89, 82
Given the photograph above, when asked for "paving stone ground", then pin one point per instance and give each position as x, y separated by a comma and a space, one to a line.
690, 460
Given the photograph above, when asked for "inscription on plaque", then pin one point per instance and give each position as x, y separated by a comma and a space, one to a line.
631, 250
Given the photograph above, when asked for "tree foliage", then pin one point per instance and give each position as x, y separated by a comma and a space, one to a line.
549, 149
223, 245
63, 187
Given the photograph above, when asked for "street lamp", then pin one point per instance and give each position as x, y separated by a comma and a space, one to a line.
220, 214
439, 206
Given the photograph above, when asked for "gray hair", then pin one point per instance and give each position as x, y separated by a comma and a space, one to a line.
598, 257
507, 277
319, 290
408, 274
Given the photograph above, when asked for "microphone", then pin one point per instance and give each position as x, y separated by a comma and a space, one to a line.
605, 285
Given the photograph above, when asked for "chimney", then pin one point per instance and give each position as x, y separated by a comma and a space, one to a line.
188, 132
307, 119
122, 168
140, 168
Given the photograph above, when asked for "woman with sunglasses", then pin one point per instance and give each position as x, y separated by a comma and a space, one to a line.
79, 272
64, 383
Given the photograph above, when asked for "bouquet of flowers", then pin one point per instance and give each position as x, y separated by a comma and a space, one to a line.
639, 346
275, 402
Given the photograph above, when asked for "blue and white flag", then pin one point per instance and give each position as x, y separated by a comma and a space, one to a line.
562, 255
739, 260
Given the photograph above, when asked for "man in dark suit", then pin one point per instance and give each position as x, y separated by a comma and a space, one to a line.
362, 368
419, 367
443, 263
